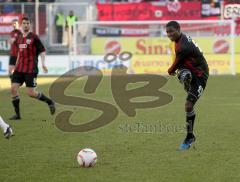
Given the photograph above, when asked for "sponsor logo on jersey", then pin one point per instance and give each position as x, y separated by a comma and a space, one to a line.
22, 46
28, 41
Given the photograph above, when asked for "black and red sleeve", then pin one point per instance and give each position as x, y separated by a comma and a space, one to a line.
39, 46
181, 54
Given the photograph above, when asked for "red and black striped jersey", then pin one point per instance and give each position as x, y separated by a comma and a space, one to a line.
14, 35
189, 56
29, 47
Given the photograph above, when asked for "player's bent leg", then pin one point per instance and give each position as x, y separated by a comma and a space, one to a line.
31, 92
40, 96
185, 78
31, 84
15, 101
7, 130
190, 117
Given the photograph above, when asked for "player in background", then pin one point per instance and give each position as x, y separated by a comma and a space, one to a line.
7, 130
26, 69
13, 51
192, 71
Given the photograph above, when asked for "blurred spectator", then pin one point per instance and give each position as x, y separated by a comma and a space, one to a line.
60, 23
71, 18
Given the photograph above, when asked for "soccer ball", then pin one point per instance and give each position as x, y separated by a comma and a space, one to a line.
87, 158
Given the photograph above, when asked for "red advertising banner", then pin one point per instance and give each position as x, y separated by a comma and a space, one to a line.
6, 22
150, 11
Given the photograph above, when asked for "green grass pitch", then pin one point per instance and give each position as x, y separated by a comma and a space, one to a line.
41, 152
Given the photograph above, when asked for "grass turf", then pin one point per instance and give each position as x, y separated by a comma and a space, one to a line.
41, 152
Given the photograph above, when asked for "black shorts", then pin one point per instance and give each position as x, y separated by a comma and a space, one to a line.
29, 78
12, 60
198, 85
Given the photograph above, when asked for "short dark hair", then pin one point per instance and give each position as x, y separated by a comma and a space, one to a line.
26, 19
174, 24
14, 20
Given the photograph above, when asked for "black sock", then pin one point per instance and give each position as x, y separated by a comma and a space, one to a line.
44, 98
190, 123
15, 102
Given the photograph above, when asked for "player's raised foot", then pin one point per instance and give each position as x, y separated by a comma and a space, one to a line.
8, 133
15, 117
52, 108
188, 141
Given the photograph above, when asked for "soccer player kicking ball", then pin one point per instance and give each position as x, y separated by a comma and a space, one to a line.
26, 69
7, 130
192, 71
